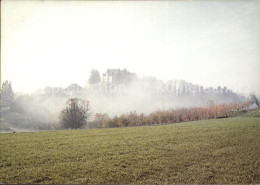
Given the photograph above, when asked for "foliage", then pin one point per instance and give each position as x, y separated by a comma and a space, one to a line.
99, 119
169, 116
7, 95
94, 77
75, 114
221, 151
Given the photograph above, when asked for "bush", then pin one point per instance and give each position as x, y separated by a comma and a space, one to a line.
176, 115
75, 114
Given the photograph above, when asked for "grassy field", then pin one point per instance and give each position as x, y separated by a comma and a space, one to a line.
217, 151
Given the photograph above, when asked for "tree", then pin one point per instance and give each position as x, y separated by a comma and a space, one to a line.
75, 114
99, 120
7, 95
94, 77
254, 99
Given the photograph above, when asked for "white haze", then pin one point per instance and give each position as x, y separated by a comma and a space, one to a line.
143, 95
55, 43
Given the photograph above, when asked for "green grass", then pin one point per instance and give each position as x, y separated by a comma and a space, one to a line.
212, 151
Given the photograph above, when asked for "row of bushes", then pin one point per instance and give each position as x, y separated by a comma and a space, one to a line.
169, 116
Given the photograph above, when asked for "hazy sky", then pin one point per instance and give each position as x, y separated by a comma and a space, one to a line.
56, 43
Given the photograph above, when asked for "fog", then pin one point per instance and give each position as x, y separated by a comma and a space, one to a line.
41, 109
150, 94
55, 43
189, 48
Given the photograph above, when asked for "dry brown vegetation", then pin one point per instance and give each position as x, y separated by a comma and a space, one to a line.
169, 116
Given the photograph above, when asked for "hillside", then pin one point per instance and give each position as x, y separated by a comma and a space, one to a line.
219, 151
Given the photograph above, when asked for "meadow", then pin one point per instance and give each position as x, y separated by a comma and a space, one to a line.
217, 151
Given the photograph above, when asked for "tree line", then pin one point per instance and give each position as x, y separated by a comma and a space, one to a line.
76, 114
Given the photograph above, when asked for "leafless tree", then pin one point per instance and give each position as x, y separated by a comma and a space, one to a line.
254, 99
75, 114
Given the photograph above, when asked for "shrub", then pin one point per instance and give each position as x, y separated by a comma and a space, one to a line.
75, 114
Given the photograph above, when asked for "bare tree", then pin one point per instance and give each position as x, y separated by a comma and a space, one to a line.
75, 114
98, 121
254, 99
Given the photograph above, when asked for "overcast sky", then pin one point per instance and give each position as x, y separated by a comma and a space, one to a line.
56, 43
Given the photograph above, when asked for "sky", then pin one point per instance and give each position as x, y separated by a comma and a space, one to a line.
56, 43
